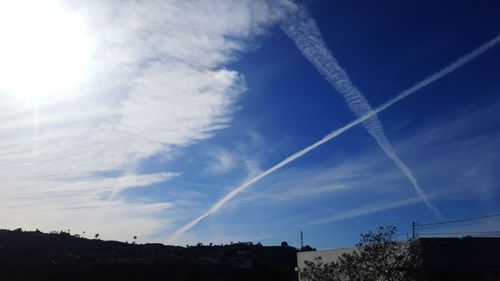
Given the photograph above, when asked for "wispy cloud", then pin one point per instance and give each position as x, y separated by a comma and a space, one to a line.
366, 210
430, 79
156, 81
465, 173
302, 29
222, 161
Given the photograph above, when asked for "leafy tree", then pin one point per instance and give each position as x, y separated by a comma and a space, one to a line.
317, 270
284, 244
307, 248
378, 256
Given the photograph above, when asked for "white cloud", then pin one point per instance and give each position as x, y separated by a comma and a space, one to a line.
222, 162
367, 210
453, 154
430, 79
157, 80
252, 167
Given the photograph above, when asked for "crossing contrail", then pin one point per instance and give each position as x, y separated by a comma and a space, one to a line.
302, 29
428, 80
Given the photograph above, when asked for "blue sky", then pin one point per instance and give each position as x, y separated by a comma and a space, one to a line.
167, 107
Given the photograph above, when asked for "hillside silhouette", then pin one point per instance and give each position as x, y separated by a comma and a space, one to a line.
34, 255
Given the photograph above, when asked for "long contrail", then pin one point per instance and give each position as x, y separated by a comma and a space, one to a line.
430, 79
302, 29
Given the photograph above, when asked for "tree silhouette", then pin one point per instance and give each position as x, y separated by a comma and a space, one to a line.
307, 248
378, 256
284, 244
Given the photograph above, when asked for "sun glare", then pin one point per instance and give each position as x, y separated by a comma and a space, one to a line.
44, 48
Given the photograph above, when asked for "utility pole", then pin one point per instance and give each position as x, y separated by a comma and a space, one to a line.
413, 224
301, 239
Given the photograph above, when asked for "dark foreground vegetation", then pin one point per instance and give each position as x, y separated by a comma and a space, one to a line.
61, 256
380, 257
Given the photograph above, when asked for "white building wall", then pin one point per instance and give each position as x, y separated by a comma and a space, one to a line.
327, 256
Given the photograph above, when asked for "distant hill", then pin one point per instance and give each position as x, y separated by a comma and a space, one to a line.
35, 255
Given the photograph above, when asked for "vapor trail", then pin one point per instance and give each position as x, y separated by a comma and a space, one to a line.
430, 79
302, 29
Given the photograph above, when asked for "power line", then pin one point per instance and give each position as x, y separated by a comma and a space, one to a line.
469, 232
461, 220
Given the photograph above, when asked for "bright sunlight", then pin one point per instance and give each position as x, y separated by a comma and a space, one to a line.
44, 49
